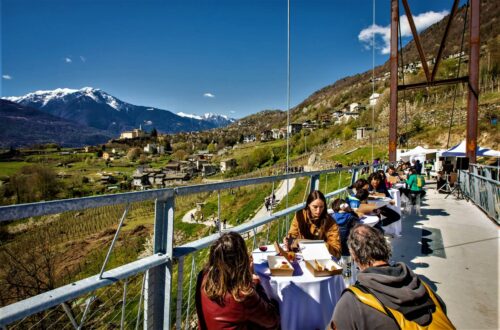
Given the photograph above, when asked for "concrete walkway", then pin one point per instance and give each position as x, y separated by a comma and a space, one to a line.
455, 247
280, 193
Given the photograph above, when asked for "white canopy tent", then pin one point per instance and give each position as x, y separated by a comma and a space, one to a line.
459, 151
417, 153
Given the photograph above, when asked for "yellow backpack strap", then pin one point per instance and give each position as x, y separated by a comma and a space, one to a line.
366, 298
439, 319
371, 300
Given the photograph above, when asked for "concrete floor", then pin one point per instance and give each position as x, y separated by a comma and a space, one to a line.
454, 246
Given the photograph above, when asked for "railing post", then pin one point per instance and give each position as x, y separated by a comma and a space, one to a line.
354, 175
159, 286
314, 183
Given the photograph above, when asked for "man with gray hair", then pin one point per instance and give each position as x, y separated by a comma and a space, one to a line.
385, 296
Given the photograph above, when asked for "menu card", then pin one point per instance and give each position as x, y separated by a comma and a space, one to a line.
314, 249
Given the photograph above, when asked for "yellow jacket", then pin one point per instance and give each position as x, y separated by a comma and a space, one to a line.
303, 227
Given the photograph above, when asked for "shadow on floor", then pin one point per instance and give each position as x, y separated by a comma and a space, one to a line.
419, 240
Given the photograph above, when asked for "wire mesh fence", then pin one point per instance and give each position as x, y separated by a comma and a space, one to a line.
113, 307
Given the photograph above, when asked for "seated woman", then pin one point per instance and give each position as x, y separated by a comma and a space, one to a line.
227, 296
314, 222
345, 218
389, 215
377, 185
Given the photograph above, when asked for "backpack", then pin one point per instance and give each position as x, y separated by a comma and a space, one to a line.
420, 181
439, 318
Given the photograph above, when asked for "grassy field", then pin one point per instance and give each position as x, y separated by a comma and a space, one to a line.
9, 168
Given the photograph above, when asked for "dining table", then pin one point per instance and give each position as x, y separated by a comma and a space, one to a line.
396, 228
305, 301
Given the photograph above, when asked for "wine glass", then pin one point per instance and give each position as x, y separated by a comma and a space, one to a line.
263, 249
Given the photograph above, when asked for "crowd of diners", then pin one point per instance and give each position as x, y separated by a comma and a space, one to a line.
229, 294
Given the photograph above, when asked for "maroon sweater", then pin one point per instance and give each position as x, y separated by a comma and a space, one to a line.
255, 312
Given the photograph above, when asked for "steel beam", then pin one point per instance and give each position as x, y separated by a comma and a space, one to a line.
416, 38
160, 278
451, 81
393, 114
473, 97
443, 42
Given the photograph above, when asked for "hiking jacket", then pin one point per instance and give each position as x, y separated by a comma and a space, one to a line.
397, 287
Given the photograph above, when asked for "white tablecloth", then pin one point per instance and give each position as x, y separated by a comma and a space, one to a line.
370, 220
306, 302
394, 228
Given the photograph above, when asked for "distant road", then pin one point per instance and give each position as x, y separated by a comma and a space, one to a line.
280, 193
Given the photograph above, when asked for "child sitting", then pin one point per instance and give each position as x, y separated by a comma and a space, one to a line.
345, 218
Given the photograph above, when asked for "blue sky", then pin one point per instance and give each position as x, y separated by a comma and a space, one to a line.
222, 56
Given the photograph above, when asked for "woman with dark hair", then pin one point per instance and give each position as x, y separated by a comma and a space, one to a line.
314, 222
389, 215
345, 218
227, 294
377, 184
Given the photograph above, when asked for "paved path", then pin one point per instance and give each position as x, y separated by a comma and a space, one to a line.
280, 193
455, 246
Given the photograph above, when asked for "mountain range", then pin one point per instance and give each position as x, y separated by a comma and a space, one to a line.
24, 126
108, 115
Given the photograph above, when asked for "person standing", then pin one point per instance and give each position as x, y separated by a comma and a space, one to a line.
386, 295
418, 166
415, 183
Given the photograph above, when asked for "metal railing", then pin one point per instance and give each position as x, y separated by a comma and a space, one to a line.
482, 190
147, 281
489, 172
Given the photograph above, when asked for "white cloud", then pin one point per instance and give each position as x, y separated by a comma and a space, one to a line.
83, 59
67, 60
422, 21
7, 77
210, 95
232, 111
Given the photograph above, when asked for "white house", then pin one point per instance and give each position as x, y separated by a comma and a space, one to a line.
249, 138
227, 165
374, 98
136, 132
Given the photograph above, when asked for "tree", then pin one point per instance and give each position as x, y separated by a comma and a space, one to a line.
34, 183
180, 155
347, 133
143, 159
211, 148
154, 133
134, 153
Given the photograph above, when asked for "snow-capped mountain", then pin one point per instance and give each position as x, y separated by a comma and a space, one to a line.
96, 108
22, 126
219, 120
44, 98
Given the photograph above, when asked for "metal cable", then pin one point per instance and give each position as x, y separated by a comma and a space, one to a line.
373, 78
403, 78
191, 277
139, 309
124, 303
457, 75
288, 129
